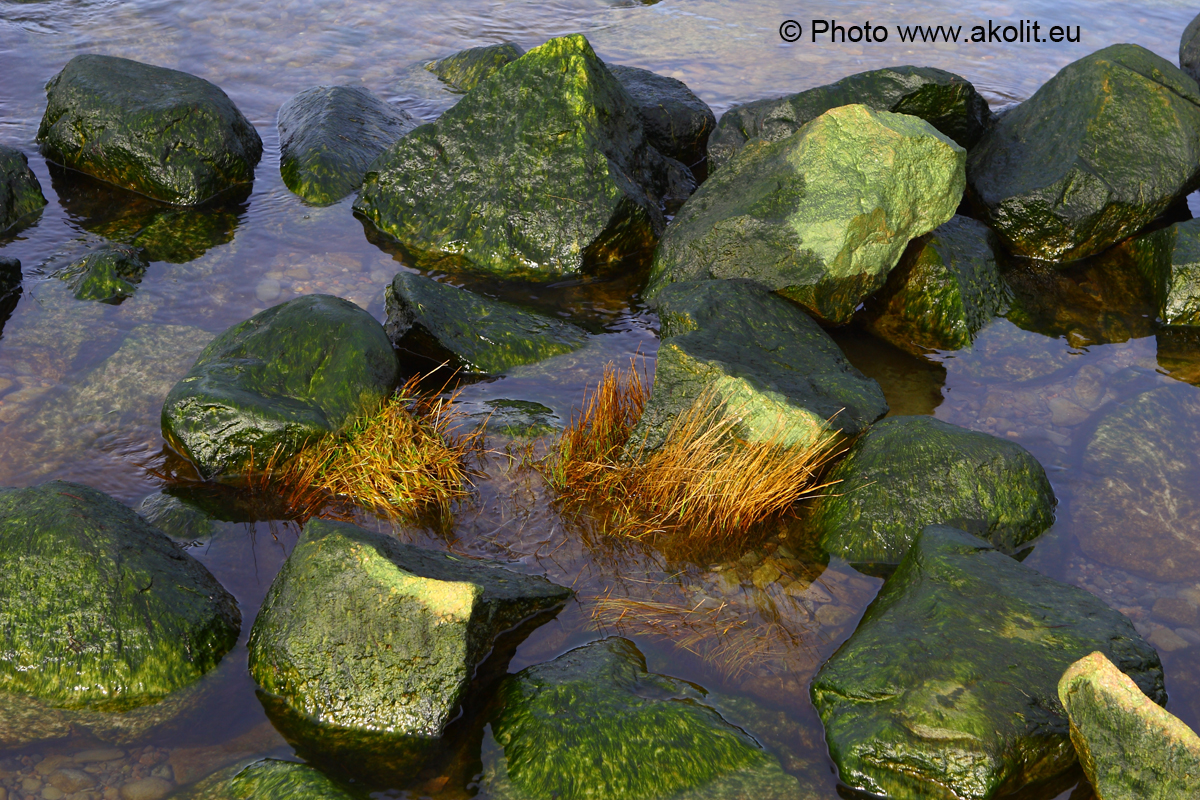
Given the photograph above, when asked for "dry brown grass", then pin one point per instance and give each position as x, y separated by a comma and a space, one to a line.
703, 482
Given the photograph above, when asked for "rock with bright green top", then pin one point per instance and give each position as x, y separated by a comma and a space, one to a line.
542, 170
946, 287
943, 99
1103, 148
485, 335
160, 132
104, 621
677, 122
329, 135
282, 378
948, 688
811, 216
593, 723
362, 633
266, 779
906, 473
465, 69
1130, 747
758, 357
20, 193
1170, 261
108, 274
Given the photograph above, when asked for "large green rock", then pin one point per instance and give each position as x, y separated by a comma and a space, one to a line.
1103, 148
488, 336
949, 686
677, 122
946, 287
329, 135
1130, 747
812, 216
270, 384
593, 723
20, 192
101, 615
266, 779
160, 132
541, 170
1189, 49
1136, 505
906, 473
108, 274
762, 358
464, 70
943, 99
362, 632
1170, 261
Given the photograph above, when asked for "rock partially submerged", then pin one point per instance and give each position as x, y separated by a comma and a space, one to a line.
809, 217
266, 779
949, 686
20, 193
107, 274
677, 122
464, 70
1170, 261
1189, 49
160, 132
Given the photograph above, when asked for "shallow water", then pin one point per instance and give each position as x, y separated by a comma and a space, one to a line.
757, 625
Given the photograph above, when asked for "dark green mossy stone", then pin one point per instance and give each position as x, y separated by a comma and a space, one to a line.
542, 170
160, 132
760, 356
1189, 49
943, 99
487, 336
182, 521
267, 779
287, 375
949, 686
1100, 150
810, 217
593, 723
108, 274
20, 192
99, 611
906, 473
363, 633
329, 135
464, 70
946, 287
1170, 260
677, 122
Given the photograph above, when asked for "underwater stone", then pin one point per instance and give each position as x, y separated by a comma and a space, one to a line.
464, 70
677, 122
266, 779
20, 192
183, 522
10, 276
810, 217
949, 687
108, 274
160, 132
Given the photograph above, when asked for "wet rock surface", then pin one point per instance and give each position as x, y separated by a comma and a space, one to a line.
266, 779
1170, 260
465, 69
108, 274
20, 193
677, 122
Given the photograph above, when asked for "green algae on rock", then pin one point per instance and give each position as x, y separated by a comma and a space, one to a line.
948, 688
944, 100
330, 135
486, 335
464, 70
677, 122
946, 287
906, 473
160, 132
108, 274
1100, 150
812, 218
1130, 747
20, 193
1170, 261
265, 779
760, 356
659, 737
99, 611
542, 170
270, 384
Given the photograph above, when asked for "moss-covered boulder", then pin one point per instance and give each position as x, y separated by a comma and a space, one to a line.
949, 686
101, 616
1136, 506
266, 779
811, 216
677, 122
1130, 747
1103, 148
906, 473
946, 287
594, 723
108, 274
774, 371
1189, 49
329, 135
464, 70
20, 193
485, 335
1170, 260
282, 378
541, 170
360, 632
160, 132
943, 99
